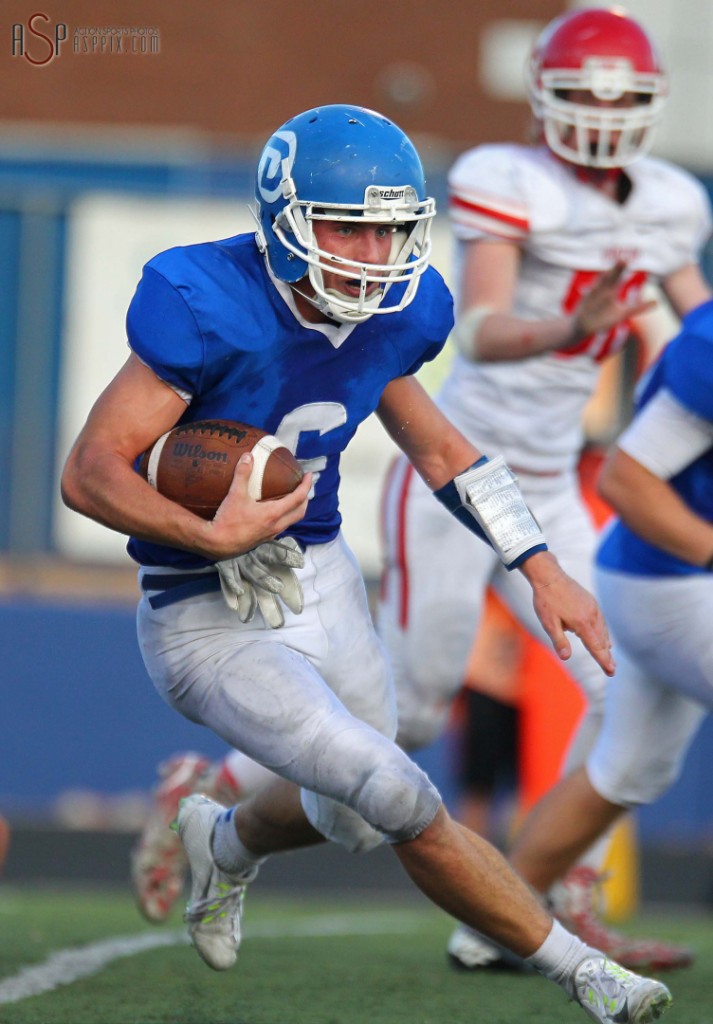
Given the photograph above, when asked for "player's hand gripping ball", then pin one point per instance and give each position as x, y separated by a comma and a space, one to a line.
193, 464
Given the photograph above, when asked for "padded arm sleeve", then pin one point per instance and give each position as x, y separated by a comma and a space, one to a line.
487, 499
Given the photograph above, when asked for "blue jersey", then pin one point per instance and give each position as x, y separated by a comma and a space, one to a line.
209, 320
685, 369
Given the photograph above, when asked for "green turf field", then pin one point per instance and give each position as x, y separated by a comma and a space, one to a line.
334, 962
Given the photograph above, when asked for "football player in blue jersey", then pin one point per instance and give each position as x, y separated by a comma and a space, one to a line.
654, 581
304, 329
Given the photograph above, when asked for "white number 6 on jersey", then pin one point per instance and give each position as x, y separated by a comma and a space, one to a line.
320, 416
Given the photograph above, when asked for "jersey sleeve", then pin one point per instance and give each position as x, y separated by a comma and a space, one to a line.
689, 372
701, 220
682, 204
486, 198
665, 436
426, 356
429, 322
163, 333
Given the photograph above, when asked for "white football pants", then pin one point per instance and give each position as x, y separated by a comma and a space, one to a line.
312, 701
663, 688
435, 579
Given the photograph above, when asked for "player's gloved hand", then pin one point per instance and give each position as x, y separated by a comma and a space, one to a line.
239, 595
268, 573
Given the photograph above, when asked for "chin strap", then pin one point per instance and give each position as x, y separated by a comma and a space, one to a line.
341, 316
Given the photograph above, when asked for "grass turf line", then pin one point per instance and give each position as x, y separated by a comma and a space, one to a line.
380, 974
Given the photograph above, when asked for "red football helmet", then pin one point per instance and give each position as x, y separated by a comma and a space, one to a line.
608, 54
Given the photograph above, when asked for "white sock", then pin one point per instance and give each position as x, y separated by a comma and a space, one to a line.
229, 853
558, 955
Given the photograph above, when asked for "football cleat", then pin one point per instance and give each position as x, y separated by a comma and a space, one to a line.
610, 994
158, 863
468, 950
574, 902
215, 910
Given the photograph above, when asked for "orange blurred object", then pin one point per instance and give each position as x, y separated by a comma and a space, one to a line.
4, 841
551, 702
507, 664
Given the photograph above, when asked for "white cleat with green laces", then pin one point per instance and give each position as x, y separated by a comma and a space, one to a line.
216, 905
612, 995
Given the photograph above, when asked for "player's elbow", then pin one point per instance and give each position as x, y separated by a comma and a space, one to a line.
73, 482
604, 489
69, 486
612, 485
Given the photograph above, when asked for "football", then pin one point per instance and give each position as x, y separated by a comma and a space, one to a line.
193, 464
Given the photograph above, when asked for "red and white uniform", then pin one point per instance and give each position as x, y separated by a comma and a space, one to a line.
569, 232
529, 410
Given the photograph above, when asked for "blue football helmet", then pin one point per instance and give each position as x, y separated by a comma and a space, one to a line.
343, 163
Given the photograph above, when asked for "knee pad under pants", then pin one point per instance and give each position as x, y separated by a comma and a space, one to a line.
270, 702
391, 798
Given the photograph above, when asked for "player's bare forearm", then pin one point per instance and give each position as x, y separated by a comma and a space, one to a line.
436, 448
504, 337
653, 509
487, 330
99, 480
563, 606
686, 288
102, 485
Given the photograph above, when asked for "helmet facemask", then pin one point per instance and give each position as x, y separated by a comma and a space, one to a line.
348, 164
398, 208
610, 57
621, 133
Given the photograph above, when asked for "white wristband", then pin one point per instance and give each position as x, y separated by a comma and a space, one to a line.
492, 496
466, 330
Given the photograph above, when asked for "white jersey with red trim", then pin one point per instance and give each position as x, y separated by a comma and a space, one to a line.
569, 232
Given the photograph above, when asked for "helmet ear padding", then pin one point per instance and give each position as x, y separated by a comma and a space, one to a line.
606, 53
347, 164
